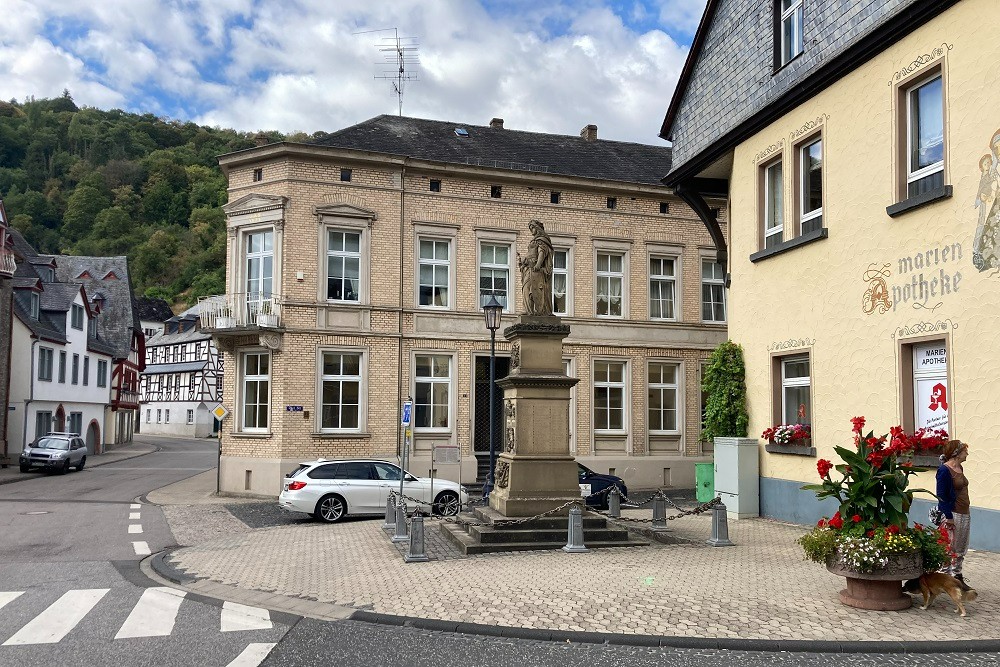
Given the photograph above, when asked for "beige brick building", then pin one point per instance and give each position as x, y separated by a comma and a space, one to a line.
356, 271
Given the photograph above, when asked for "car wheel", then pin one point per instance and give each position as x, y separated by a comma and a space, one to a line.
65, 468
447, 504
25, 468
330, 509
82, 463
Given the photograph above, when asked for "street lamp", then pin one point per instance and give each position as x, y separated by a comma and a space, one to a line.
493, 310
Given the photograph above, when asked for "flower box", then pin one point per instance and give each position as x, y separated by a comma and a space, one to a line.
800, 448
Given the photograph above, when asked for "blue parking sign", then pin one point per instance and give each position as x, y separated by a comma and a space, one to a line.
407, 407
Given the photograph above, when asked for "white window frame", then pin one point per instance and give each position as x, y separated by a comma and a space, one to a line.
259, 377
569, 368
450, 381
611, 250
435, 262
45, 361
565, 272
671, 280
931, 169
76, 417
796, 15
713, 281
344, 256
35, 306
149, 415
359, 378
102, 373
259, 256
159, 415
609, 385
495, 268
787, 382
166, 416
190, 416
676, 386
76, 316
806, 216
777, 230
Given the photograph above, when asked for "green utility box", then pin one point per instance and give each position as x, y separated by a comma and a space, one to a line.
704, 479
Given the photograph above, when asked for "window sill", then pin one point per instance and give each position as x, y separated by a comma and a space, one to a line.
797, 450
358, 435
929, 460
251, 436
944, 192
785, 246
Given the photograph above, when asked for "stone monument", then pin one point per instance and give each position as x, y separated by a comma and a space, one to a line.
535, 472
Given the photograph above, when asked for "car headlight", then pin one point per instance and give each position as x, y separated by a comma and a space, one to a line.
60, 455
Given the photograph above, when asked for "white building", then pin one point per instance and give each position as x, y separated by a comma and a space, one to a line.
182, 382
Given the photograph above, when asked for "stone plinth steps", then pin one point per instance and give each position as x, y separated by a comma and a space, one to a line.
535, 535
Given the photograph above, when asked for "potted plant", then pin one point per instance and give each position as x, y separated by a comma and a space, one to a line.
266, 317
868, 540
224, 318
789, 439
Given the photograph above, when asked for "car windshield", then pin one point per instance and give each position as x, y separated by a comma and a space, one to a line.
53, 443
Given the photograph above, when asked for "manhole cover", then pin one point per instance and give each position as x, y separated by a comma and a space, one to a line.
38, 512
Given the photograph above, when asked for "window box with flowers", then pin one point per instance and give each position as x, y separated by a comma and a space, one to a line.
868, 540
789, 439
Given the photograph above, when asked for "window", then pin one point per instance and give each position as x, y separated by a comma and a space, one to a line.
345, 175
554, 197
494, 272
661, 397
159, 416
62, 366
256, 391
435, 185
610, 278
35, 306
166, 416
43, 423
609, 396
343, 265
432, 391
496, 191
75, 376
102, 373
664, 207
612, 202
341, 391
76, 422
76, 316
45, 355
810, 183
662, 288
790, 30
258, 175
434, 269
560, 282
796, 407
259, 264
713, 291
92, 327
925, 137
774, 213
86, 370
925, 385
149, 415
190, 416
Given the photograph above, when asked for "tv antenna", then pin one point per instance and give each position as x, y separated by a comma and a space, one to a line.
401, 54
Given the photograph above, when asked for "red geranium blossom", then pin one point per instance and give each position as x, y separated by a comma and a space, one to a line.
856, 518
836, 522
823, 467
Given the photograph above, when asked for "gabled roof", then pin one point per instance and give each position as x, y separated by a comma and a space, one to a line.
729, 89
41, 328
499, 148
58, 297
118, 321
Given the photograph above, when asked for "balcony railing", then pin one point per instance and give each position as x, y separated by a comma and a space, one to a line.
240, 311
7, 263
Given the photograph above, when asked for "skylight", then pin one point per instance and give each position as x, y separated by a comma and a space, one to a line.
461, 132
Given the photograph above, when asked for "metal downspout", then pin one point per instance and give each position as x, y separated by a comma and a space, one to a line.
399, 348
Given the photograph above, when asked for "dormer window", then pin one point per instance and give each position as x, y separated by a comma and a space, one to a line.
35, 302
76, 316
92, 327
789, 30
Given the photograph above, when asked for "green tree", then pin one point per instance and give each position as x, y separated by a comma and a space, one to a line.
81, 210
725, 383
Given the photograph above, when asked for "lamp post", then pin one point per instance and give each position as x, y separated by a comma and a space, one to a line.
493, 310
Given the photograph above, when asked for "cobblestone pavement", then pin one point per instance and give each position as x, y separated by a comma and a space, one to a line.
761, 588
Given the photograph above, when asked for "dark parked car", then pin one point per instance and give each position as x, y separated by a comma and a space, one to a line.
55, 450
599, 482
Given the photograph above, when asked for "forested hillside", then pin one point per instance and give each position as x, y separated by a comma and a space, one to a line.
91, 182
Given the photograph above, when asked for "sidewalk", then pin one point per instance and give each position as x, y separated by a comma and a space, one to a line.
12, 473
759, 590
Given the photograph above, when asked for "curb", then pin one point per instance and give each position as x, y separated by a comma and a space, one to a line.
95, 464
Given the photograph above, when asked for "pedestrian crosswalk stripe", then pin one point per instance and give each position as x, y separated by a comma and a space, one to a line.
154, 614
54, 623
252, 655
135, 506
133, 516
141, 548
134, 528
237, 616
8, 597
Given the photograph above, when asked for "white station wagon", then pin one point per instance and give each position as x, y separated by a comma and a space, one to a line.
331, 490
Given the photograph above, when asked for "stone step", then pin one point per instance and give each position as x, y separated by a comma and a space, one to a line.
491, 516
469, 546
488, 535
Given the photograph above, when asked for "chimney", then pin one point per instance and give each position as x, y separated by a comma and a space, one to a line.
589, 133
497, 123
261, 140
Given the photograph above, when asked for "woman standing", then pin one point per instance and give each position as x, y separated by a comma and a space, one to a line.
953, 501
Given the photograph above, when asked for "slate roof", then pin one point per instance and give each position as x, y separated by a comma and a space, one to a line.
729, 77
502, 148
58, 296
42, 327
189, 336
152, 310
118, 319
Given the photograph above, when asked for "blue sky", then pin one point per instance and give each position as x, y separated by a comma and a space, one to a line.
291, 65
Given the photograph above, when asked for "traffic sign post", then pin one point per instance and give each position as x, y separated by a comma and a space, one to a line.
220, 412
405, 420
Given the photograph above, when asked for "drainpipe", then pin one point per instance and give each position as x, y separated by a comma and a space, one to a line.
399, 347
31, 395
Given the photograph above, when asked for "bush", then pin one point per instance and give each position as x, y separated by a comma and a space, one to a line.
725, 383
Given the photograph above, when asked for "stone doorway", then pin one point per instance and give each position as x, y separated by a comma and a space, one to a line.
481, 411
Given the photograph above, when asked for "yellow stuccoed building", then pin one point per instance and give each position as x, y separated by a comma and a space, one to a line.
861, 151
356, 272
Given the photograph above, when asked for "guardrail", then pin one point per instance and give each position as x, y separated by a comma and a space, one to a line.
240, 310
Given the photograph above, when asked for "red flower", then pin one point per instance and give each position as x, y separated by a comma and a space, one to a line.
859, 423
823, 467
836, 521
768, 434
856, 518
892, 530
918, 526
870, 533
821, 523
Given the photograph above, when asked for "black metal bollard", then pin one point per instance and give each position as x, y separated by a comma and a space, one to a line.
659, 512
400, 535
720, 527
390, 512
574, 543
614, 502
415, 554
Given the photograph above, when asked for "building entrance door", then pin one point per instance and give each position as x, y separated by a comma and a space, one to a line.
481, 412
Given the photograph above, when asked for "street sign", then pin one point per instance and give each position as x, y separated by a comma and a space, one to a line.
293, 408
220, 412
407, 410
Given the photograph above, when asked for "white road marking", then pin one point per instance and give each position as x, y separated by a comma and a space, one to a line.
154, 614
54, 623
135, 506
252, 655
237, 616
134, 528
133, 516
141, 548
8, 597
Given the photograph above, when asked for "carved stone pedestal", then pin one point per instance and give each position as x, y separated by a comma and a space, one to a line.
535, 472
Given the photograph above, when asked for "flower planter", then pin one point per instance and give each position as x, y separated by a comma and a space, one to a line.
882, 589
801, 447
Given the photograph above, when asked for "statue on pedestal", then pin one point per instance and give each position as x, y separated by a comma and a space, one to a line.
536, 272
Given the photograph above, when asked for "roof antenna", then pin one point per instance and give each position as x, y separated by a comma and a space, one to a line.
401, 52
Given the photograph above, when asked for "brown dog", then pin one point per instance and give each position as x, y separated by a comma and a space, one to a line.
930, 585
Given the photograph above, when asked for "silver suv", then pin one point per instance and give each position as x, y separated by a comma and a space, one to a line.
55, 450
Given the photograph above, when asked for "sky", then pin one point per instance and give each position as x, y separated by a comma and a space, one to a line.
309, 65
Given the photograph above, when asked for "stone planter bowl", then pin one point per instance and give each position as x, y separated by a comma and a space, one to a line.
879, 590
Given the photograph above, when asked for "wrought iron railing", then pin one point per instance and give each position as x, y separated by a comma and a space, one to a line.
240, 310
